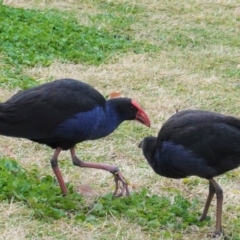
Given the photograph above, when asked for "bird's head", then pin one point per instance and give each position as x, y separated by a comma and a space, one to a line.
148, 143
148, 146
129, 109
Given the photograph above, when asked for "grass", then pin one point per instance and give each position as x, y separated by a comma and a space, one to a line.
43, 196
170, 55
30, 38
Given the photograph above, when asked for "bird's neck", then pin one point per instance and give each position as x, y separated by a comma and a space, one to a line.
176, 161
157, 159
107, 120
161, 162
94, 124
150, 154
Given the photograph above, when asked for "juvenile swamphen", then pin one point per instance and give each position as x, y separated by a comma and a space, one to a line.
63, 113
200, 143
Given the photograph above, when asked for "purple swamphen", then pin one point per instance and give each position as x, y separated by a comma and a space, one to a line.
63, 113
196, 143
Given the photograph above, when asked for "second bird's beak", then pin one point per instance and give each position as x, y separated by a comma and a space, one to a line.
142, 117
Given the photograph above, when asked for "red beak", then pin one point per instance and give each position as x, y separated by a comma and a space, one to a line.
141, 116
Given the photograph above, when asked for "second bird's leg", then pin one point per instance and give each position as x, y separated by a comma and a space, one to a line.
214, 188
219, 195
208, 202
118, 176
57, 172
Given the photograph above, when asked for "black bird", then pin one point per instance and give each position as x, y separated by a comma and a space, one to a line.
196, 143
63, 113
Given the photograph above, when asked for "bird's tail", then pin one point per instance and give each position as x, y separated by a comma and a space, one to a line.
7, 127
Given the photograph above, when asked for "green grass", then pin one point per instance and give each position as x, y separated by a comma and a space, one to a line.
117, 17
164, 54
32, 37
151, 212
43, 196
13, 77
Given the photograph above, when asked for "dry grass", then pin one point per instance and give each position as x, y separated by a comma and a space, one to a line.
174, 77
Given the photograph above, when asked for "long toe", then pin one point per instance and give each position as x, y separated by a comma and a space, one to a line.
118, 178
214, 235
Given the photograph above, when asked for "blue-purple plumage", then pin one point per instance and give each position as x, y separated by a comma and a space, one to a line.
196, 137
63, 113
196, 143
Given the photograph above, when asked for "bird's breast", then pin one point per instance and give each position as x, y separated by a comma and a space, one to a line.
176, 161
89, 125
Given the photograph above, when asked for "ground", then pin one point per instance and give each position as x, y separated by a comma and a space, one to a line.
196, 66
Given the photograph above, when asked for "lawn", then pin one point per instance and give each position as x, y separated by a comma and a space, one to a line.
168, 55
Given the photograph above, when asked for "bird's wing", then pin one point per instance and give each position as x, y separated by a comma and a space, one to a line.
211, 136
39, 110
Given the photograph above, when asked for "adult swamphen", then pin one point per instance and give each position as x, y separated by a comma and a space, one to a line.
63, 113
200, 143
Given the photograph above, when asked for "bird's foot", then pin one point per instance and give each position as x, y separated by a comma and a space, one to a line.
202, 218
216, 234
118, 177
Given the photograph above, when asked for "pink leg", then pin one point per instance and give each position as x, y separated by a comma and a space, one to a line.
208, 202
219, 194
118, 177
57, 172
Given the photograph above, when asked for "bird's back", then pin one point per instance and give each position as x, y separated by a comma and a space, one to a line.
211, 137
36, 112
